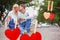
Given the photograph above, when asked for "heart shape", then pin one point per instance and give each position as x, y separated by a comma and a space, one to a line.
51, 16
12, 34
34, 36
25, 37
46, 15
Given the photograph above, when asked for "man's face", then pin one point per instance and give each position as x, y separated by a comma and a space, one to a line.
20, 7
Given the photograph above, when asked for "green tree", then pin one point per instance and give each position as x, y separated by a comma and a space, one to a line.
56, 10
8, 3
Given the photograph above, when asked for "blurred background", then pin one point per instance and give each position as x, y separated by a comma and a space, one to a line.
50, 29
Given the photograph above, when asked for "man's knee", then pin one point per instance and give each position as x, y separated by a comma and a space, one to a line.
29, 21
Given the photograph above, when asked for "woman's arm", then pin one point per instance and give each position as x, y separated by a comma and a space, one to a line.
20, 19
9, 18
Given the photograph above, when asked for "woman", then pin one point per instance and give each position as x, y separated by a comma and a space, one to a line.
13, 15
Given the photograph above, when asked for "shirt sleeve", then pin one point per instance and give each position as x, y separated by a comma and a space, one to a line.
28, 16
10, 14
19, 15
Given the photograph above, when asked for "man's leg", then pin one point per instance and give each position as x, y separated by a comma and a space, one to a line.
27, 26
21, 26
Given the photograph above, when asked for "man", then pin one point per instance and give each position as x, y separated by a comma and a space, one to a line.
24, 19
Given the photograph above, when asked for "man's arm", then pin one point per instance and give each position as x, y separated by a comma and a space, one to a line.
20, 19
29, 16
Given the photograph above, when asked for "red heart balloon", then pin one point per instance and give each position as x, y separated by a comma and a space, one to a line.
36, 36
12, 34
25, 37
51, 16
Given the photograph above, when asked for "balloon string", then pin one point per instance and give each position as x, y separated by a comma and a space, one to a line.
48, 8
35, 27
52, 6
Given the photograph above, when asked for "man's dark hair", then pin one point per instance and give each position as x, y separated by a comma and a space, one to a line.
22, 5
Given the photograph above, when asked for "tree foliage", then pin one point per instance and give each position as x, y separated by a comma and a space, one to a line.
56, 10
8, 3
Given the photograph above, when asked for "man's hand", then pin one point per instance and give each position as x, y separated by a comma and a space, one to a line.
20, 19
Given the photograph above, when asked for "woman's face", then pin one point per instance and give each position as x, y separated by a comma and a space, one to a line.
16, 8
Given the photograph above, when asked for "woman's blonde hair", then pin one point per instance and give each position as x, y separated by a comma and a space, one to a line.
15, 5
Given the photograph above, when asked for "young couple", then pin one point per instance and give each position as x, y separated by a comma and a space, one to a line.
21, 17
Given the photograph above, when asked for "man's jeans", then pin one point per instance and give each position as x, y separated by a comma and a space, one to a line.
25, 26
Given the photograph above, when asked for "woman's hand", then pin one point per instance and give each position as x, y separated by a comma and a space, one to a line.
20, 19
